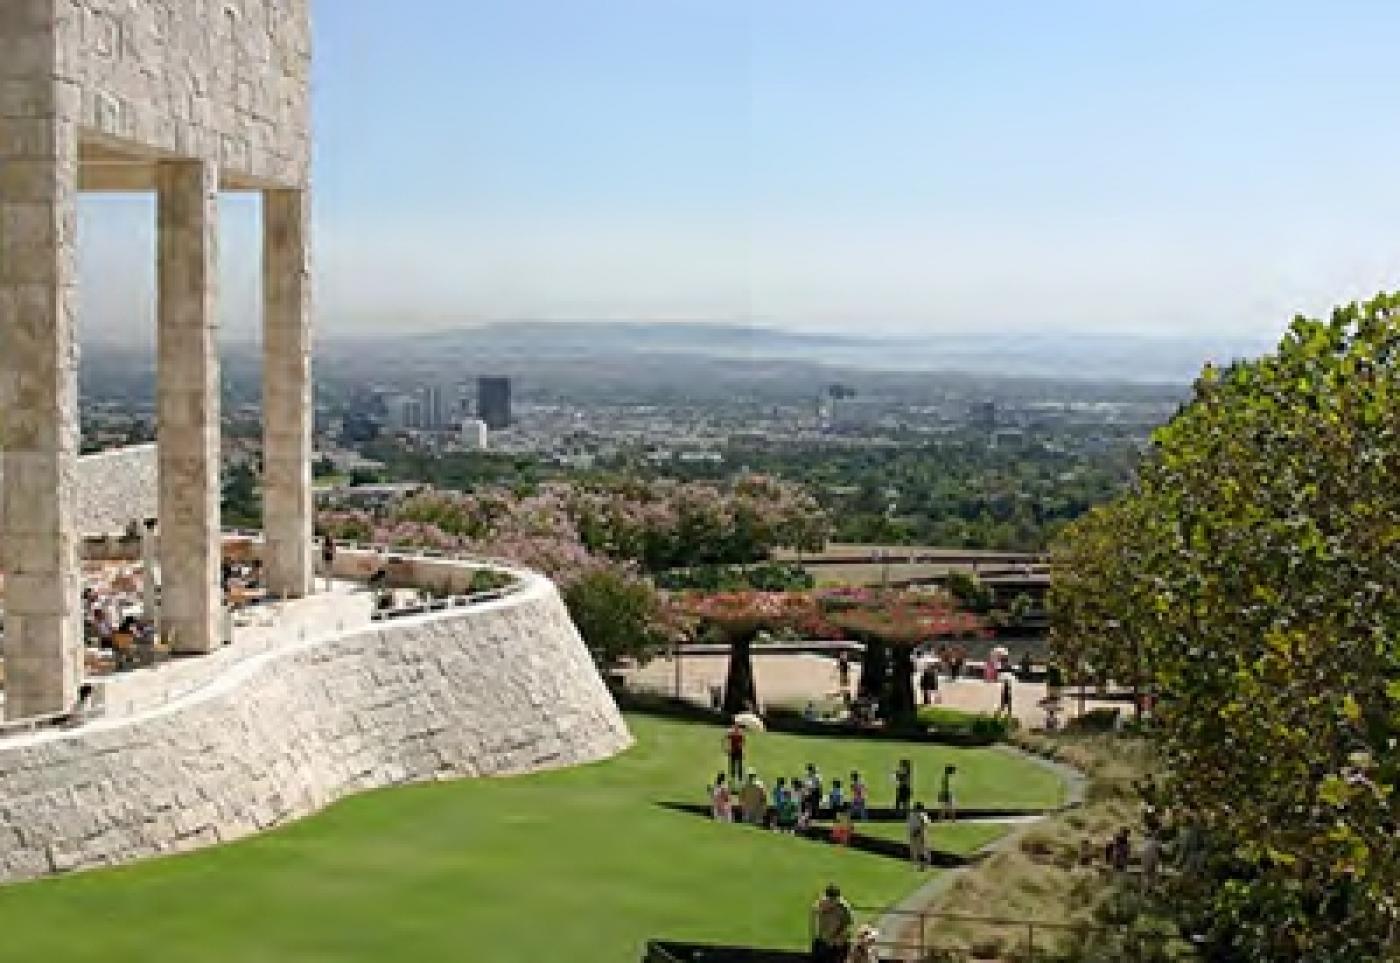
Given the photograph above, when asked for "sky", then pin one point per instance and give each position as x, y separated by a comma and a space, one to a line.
1179, 168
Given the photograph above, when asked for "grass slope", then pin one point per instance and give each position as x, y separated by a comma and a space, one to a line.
580, 864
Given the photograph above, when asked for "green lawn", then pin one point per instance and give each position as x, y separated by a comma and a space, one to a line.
961, 839
579, 865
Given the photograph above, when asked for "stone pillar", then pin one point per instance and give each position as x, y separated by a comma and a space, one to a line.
287, 402
187, 400
38, 371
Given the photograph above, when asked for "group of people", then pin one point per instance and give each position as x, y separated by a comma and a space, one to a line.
125, 636
793, 804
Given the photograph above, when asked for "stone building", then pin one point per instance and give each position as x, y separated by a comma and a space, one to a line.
184, 99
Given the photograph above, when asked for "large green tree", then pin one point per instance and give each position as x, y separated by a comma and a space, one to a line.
1252, 578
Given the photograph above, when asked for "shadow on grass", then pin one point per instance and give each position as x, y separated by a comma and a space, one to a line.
874, 845
662, 952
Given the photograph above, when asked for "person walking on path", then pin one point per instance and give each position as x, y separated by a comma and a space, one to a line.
832, 923
734, 745
928, 683
1005, 706
903, 787
328, 561
917, 825
946, 800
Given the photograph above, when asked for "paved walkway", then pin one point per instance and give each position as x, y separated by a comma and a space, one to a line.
793, 679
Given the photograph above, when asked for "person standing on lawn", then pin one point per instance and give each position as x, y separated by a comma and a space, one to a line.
721, 804
903, 787
945, 793
734, 746
858, 797
832, 923
917, 825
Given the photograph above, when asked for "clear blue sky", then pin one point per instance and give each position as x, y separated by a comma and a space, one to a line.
1167, 167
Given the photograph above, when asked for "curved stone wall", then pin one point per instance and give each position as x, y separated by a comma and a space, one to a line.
499, 688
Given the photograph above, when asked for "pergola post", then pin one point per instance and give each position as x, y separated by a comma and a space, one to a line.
191, 604
287, 399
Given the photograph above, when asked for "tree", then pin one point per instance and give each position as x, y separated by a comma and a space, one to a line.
1251, 578
619, 615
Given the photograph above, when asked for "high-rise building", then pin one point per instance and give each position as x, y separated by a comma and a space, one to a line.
474, 434
434, 408
405, 412
984, 416
493, 402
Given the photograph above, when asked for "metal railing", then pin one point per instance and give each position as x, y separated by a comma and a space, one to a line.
916, 939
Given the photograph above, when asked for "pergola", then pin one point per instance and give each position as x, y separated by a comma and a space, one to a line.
182, 98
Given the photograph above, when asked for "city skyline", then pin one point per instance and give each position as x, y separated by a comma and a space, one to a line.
902, 169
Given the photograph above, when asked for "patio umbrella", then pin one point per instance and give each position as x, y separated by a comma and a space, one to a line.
750, 721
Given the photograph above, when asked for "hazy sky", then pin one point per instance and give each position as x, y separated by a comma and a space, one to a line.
916, 165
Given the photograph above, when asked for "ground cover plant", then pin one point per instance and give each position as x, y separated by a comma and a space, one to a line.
583, 864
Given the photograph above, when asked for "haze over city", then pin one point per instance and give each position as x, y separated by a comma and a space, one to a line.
901, 167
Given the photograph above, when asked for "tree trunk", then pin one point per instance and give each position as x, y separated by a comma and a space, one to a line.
899, 704
874, 671
740, 691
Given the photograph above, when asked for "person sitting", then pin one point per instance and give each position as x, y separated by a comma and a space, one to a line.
124, 644
843, 830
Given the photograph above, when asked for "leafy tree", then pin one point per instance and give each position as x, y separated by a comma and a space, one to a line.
619, 615
1251, 578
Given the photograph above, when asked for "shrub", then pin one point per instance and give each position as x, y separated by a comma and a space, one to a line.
975, 725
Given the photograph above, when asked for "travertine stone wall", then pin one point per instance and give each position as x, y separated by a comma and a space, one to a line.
222, 80
112, 489
503, 688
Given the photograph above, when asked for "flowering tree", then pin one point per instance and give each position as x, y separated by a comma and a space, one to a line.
739, 618
892, 625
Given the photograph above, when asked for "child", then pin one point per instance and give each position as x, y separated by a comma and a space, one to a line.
858, 797
787, 809
721, 808
835, 800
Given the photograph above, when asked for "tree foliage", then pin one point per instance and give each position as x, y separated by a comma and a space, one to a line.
1251, 577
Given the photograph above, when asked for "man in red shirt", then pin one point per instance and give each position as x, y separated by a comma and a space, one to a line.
734, 743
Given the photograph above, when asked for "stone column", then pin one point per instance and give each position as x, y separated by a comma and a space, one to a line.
287, 402
38, 372
187, 399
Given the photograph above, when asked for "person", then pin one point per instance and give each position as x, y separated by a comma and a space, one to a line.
812, 791
859, 802
786, 802
835, 799
903, 787
928, 683
809, 714
843, 670
1151, 861
917, 825
866, 948
945, 793
721, 805
1026, 667
1006, 697
989, 669
734, 745
753, 800
832, 922
328, 560
843, 829
1122, 849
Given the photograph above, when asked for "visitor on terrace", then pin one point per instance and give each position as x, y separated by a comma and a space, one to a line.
832, 923
328, 561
